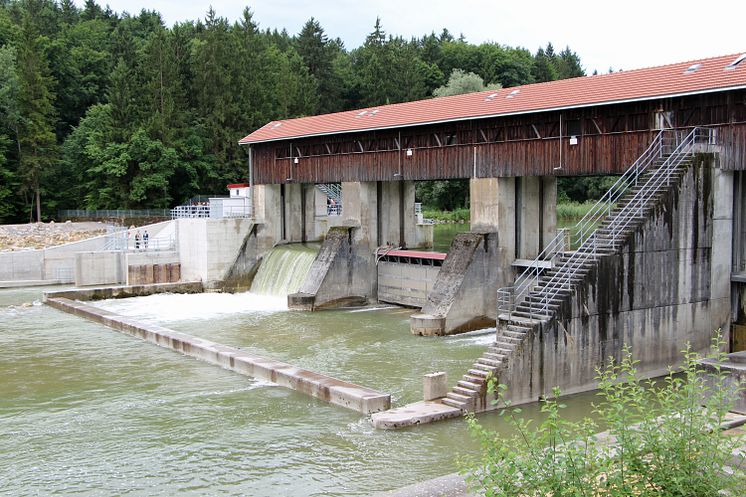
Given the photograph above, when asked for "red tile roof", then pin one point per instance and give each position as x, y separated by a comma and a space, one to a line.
640, 84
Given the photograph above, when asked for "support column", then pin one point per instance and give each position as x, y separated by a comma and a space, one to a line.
398, 223
492, 209
267, 208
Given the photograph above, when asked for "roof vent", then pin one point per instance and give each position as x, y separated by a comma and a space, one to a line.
735, 63
513, 93
361, 114
490, 98
276, 125
374, 112
692, 68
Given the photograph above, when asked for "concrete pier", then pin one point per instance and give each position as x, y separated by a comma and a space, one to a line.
332, 390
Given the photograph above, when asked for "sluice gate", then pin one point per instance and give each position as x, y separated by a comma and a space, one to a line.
407, 277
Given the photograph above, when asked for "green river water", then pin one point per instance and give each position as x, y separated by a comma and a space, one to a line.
85, 410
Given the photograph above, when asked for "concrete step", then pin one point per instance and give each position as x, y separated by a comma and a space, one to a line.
503, 349
479, 372
464, 406
489, 362
458, 397
475, 380
483, 367
534, 316
494, 357
515, 327
514, 334
476, 387
466, 392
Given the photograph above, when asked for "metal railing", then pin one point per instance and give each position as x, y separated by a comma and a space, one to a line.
633, 209
114, 213
511, 296
667, 146
190, 211
333, 192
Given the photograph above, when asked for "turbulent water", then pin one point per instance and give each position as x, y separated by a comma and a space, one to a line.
284, 269
85, 410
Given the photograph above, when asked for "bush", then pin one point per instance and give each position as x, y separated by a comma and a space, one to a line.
454, 216
667, 441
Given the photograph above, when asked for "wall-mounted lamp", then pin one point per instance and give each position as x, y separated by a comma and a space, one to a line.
573, 140
409, 152
295, 160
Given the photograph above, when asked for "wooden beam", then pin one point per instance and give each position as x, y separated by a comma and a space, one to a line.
595, 124
360, 146
328, 149
437, 139
484, 137
538, 135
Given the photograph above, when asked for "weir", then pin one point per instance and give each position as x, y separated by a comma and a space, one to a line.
327, 388
283, 270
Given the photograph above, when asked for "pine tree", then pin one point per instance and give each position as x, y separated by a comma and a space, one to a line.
37, 139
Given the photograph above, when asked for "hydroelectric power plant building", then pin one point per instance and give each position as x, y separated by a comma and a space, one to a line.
659, 262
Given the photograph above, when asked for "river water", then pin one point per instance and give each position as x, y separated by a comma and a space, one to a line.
85, 410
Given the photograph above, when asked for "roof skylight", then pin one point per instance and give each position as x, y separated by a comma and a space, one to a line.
276, 125
374, 112
513, 93
692, 68
490, 98
361, 114
738, 60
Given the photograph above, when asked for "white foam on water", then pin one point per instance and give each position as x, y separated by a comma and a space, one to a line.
377, 308
197, 306
477, 337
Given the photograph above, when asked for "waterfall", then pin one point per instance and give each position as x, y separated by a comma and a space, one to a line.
284, 269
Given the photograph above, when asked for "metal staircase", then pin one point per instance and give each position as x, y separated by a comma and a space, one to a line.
539, 292
333, 192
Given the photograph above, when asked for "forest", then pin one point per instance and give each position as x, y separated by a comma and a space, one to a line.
107, 110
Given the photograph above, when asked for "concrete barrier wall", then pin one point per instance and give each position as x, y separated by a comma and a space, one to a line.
24, 265
99, 268
335, 391
208, 247
667, 287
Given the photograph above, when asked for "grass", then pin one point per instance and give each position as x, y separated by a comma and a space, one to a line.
573, 211
454, 216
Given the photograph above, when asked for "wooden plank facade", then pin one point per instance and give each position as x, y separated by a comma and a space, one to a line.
609, 139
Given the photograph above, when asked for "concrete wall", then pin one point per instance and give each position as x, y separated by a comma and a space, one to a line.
100, 268
669, 285
208, 248
405, 284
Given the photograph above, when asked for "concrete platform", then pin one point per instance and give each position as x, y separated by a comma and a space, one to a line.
317, 385
414, 414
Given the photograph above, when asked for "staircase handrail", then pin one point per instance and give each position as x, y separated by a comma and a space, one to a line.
562, 279
604, 205
508, 297
663, 174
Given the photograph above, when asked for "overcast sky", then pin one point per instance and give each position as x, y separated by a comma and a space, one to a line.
620, 34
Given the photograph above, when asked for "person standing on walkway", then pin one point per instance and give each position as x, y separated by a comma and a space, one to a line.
145, 238
137, 240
